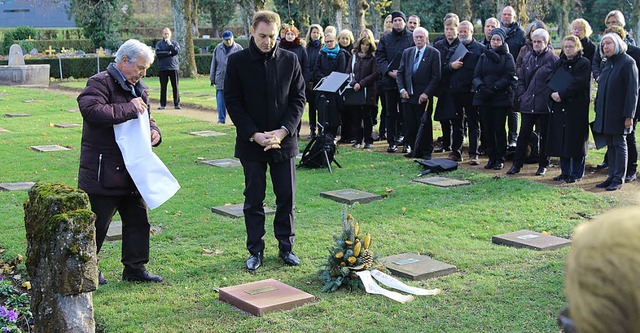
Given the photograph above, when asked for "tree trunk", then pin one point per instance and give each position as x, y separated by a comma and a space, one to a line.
357, 9
183, 22
563, 24
521, 10
462, 8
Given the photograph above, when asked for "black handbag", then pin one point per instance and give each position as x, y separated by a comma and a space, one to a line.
352, 97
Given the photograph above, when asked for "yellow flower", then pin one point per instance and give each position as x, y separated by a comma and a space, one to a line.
352, 260
339, 255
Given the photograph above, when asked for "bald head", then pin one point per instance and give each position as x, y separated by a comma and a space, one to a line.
508, 16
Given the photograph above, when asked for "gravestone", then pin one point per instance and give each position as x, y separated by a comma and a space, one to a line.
72, 110
17, 115
223, 163
262, 297
441, 181
206, 133
530, 240
67, 125
62, 262
48, 148
236, 210
33, 101
350, 196
16, 58
416, 266
20, 186
114, 232
33, 52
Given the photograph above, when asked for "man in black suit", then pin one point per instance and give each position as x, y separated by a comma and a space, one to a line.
264, 92
418, 78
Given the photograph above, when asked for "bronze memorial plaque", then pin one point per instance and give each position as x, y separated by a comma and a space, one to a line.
416, 266
350, 196
530, 240
262, 297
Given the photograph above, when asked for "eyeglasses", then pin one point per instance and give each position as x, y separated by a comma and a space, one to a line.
564, 321
329, 41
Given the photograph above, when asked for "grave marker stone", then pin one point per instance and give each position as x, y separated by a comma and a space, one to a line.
206, 133
223, 163
350, 196
3, 130
16, 58
33, 101
441, 181
236, 210
67, 125
72, 110
114, 232
17, 115
20, 186
416, 266
530, 240
262, 297
49, 148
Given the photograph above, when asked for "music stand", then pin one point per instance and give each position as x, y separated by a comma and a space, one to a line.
330, 84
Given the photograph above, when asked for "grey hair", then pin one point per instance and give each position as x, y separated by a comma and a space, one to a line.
468, 24
619, 16
422, 29
621, 47
541, 33
132, 49
494, 20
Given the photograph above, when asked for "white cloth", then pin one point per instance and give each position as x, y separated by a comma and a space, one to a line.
394, 283
154, 181
373, 288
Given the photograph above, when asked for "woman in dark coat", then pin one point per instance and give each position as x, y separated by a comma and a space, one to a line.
315, 41
568, 133
616, 106
494, 80
365, 73
536, 68
291, 42
581, 29
331, 59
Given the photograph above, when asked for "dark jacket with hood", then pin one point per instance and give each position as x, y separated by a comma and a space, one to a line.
264, 92
104, 102
494, 78
389, 53
366, 73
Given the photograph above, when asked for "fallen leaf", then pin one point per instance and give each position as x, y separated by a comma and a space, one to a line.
27, 285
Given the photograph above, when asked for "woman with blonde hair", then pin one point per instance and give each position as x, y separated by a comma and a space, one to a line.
345, 40
581, 29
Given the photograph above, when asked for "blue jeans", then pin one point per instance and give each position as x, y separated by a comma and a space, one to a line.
222, 108
572, 166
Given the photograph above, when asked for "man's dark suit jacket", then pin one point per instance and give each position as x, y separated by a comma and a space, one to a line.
426, 78
264, 92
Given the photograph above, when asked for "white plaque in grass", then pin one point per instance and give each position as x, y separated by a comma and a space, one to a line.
223, 163
67, 125
49, 148
442, 181
530, 240
20, 186
34, 101
206, 133
416, 266
114, 232
2, 130
350, 196
17, 115
72, 110
262, 297
236, 210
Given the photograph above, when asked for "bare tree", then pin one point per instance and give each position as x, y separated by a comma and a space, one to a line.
462, 8
521, 9
183, 23
357, 10
563, 18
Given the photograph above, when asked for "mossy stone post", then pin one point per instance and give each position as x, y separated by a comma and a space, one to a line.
61, 258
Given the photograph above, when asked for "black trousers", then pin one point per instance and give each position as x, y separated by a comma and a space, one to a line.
313, 108
526, 130
283, 178
632, 150
493, 120
464, 105
393, 109
135, 226
618, 156
164, 77
363, 123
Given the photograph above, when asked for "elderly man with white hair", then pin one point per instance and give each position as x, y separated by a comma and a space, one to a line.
113, 97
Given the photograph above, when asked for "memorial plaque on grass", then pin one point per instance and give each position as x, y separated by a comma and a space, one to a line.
17, 115
206, 133
223, 163
441, 181
34, 101
262, 297
236, 210
530, 240
2, 130
72, 110
114, 232
49, 148
67, 125
350, 196
416, 266
20, 186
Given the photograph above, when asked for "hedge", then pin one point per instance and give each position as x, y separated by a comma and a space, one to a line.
88, 66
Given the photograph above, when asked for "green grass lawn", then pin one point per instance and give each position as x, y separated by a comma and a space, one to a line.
496, 288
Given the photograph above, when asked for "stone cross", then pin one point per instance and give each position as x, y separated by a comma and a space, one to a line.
15, 56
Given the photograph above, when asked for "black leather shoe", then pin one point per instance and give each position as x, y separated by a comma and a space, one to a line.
602, 165
614, 186
630, 178
406, 150
101, 279
541, 171
560, 178
513, 170
254, 262
178, 107
392, 148
409, 155
605, 183
290, 258
571, 180
489, 164
140, 275
498, 166
438, 150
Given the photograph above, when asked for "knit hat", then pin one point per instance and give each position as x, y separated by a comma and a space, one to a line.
499, 32
398, 14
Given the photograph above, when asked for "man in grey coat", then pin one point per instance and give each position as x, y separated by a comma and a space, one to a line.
218, 70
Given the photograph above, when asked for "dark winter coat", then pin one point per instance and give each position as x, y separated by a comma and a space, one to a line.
568, 133
167, 54
494, 78
634, 52
515, 38
303, 58
532, 81
325, 65
588, 49
366, 73
617, 95
597, 62
104, 102
391, 46
264, 92
446, 107
313, 52
460, 79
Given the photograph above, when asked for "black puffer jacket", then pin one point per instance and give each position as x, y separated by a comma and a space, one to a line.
104, 102
494, 78
390, 47
532, 81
